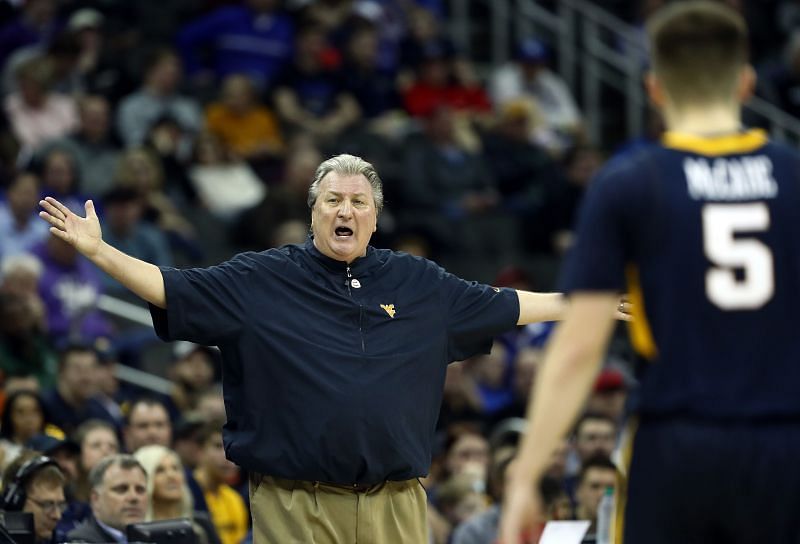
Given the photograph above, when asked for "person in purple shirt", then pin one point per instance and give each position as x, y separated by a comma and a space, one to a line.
69, 287
253, 39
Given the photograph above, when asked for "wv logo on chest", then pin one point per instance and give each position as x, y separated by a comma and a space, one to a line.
389, 309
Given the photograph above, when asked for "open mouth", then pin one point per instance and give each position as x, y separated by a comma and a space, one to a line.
344, 231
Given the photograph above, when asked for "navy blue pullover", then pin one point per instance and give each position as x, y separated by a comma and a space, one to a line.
332, 372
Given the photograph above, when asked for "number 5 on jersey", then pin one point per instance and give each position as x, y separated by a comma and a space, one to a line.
728, 252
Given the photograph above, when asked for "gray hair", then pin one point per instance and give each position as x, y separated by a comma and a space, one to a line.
22, 262
347, 165
125, 462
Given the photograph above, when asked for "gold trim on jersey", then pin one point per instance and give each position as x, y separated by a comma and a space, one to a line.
727, 144
618, 527
638, 327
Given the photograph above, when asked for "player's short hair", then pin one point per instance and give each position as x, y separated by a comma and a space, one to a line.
698, 49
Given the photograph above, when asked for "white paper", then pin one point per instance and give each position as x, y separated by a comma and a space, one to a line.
564, 532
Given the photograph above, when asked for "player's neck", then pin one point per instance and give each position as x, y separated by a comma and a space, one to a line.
708, 120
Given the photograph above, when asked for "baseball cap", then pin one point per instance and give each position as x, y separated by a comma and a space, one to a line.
609, 379
48, 444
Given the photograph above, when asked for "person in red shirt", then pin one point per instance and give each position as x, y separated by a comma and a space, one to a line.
444, 81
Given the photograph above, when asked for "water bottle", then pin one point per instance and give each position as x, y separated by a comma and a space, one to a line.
605, 513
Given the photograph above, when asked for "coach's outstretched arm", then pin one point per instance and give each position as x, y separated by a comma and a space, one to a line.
84, 234
537, 307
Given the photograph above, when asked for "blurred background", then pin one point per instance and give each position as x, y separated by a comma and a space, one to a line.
196, 126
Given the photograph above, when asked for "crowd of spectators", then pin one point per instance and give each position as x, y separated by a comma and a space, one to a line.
196, 128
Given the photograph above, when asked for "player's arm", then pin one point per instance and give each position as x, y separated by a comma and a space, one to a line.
537, 307
560, 391
84, 234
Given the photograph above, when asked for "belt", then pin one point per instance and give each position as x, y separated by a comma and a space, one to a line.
352, 487
357, 488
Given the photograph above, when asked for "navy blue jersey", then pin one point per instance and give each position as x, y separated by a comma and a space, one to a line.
704, 234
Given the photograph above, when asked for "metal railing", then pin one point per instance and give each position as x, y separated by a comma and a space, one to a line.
140, 316
126, 310
595, 51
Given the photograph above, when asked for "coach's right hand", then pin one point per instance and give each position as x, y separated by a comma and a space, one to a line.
81, 232
84, 234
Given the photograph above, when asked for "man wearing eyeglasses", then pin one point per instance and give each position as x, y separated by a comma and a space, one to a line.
37, 484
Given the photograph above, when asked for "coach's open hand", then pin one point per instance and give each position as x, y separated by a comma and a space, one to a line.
81, 232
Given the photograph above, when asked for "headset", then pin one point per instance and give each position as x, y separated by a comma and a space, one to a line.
14, 495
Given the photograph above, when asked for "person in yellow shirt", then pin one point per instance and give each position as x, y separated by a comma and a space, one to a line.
226, 506
248, 129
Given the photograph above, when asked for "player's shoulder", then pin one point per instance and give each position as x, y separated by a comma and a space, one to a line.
629, 169
781, 151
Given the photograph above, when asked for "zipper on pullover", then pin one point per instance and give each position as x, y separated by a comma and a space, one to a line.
348, 281
360, 328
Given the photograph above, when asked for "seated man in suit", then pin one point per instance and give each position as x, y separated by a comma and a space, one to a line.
118, 498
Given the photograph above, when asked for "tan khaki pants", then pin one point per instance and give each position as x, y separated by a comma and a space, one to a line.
300, 512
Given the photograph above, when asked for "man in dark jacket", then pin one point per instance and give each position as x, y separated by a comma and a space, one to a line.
119, 498
334, 356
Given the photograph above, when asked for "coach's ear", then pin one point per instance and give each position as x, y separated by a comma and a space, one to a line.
746, 86
654, 90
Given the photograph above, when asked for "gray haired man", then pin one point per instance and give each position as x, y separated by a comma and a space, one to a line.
118, 498
334, 356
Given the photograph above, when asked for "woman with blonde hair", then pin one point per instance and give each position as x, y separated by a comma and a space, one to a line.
168, 495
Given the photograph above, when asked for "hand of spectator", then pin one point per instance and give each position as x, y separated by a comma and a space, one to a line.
83, 233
